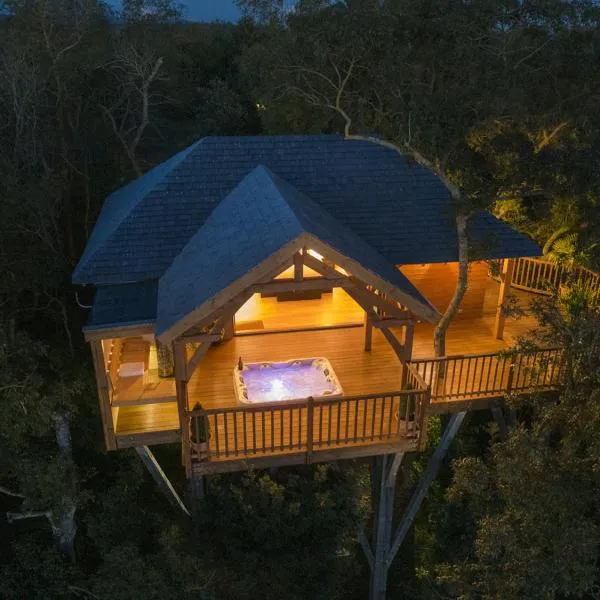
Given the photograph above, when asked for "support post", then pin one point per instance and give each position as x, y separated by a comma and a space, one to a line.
103, 395
161, 479
368, 332
384, 472
298, 267
229, 328
508, 265
182, 403
164, 355
425, 482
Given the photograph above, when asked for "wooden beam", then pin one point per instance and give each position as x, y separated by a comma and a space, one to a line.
394, 343
408, 340
198, 355
392, 322
423, 309
229, 328
298, 267
180, 381
291, 285
299, 458
368, 332
201, 337
161, 479
118, 332
265, 271
433, 466
508, 265
142, 401
102, 384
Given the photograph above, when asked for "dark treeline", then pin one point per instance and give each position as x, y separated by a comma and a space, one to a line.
501, 97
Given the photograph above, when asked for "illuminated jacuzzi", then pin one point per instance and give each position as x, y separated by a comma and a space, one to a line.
290, 380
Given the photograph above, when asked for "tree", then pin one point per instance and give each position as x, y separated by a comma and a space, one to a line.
539, 539
434, 92
38, 393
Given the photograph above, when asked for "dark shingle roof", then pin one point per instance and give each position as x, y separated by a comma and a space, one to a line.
262, 215
127, 303
398, 208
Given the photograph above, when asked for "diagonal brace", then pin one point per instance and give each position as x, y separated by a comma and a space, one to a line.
425, 482
166, 487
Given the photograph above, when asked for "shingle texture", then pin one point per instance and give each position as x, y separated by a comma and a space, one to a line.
124, 303
259, 217
398, 208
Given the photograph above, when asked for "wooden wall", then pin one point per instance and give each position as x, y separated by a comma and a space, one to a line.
437, 283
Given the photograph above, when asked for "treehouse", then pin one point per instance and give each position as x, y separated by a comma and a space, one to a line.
271, 301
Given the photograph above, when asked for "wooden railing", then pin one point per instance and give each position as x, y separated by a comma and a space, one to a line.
306, 425
542, 277
476, 376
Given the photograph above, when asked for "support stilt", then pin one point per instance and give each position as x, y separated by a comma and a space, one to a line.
166, 487
384, 471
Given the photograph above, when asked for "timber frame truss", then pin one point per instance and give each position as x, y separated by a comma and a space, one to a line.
381, 312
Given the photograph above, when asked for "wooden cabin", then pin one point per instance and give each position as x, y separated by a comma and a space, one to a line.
271, 300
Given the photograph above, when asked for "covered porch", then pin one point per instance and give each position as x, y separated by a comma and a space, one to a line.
146, 406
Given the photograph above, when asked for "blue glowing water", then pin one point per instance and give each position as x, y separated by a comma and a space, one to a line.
286, 381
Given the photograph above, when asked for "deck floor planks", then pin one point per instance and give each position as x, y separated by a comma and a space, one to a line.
359, 372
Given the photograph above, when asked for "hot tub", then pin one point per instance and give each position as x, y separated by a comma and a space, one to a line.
289, 380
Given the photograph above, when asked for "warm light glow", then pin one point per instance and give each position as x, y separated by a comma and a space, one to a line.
278, 390
316, 255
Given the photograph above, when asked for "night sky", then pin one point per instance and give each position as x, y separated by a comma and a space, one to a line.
205, 10
211, 10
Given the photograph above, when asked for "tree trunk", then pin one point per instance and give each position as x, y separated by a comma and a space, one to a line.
62, 521
439, 336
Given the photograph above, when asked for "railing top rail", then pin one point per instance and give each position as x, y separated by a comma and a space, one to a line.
482, 355
302, 403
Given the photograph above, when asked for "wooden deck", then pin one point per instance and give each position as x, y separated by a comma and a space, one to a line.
148, 403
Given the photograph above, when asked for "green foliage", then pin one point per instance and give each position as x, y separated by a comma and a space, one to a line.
297, 525
530, 508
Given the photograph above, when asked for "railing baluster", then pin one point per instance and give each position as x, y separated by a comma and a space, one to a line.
460, 378
373, 416
217, 433
235, 438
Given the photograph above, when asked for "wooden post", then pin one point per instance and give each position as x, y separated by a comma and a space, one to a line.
309, 429
368, 332
298, 267
182, 401
103, 395
229, 328
384, 472
164, 356
505, 281
423, 422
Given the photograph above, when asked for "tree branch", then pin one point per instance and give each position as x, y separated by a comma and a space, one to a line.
548, 137
11, 517
8, 492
